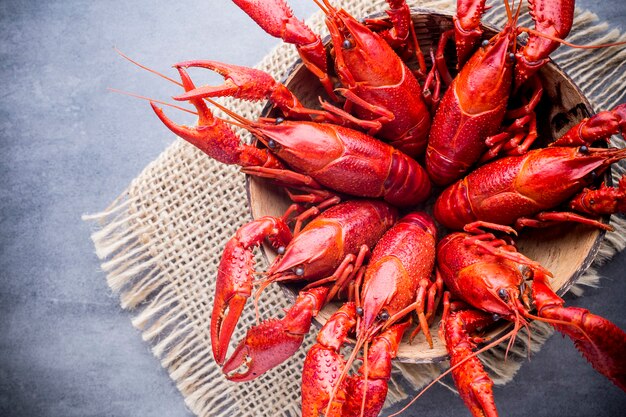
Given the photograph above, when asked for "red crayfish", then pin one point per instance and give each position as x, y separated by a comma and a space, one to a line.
327, 251
474, 106
319, 155
493, 281
396, 281
511, 190
350, 164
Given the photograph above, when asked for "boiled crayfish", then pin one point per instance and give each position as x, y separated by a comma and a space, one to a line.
474, 106
351, 165
395, 282
328, 250
520, 190
495, 281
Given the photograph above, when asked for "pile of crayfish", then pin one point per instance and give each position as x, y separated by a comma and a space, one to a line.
390, 137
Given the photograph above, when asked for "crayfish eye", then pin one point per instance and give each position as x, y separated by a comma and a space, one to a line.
359, 311
504, 296
299, 271
279, 120
511, 56
347, 44
384, 316
495, 317
485, 43
281, 250
271, 144
583, 149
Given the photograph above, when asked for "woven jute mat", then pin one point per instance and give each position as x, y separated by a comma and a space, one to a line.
161, 241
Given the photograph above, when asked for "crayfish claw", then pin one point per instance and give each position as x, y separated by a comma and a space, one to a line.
552, 18
275, 340
235, 277
264, 347
223, 322
214, 138
474, 384
599, 340
247, 84
240, 82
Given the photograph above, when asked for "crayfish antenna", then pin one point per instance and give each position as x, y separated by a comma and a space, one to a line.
239, 121
516, 328
570, 44
514, 19
151, 100
145, 67
366, 374
324, 6
559, 322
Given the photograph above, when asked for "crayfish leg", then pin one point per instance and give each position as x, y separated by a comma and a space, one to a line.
547, 219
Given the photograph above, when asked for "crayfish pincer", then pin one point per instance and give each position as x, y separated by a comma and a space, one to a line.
495, 281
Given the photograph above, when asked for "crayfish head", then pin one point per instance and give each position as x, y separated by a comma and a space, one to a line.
485, 80
360, 54
496, 287
314, 253
304, 146
382, 294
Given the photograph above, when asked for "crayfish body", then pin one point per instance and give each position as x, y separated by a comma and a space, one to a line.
472, 109
517, 190
469, 119
498, 282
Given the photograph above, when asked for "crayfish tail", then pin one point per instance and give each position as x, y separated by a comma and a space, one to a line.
323, 385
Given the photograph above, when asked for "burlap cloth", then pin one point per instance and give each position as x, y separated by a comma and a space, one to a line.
161, 242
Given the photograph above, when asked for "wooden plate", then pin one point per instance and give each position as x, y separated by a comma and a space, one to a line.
566, 251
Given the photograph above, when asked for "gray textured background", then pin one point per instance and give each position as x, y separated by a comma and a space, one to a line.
68, 147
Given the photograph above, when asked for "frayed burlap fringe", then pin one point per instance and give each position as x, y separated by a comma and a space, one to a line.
161, 240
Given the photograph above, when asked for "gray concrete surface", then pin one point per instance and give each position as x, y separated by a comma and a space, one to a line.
69, 147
